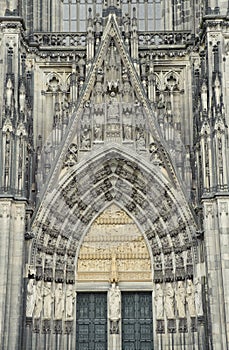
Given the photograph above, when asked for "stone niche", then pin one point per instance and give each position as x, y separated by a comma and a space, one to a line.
114, 250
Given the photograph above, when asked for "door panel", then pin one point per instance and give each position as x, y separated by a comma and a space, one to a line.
91, 324
137, 322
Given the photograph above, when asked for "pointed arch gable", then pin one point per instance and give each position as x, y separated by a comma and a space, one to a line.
111, 33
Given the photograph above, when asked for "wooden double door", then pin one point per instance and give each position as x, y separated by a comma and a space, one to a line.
136, 323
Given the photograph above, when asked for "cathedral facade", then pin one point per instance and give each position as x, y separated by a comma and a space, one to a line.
114, 175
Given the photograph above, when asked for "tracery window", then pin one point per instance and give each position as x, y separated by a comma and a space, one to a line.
149, 13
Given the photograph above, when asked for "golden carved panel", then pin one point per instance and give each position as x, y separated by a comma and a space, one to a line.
114, 250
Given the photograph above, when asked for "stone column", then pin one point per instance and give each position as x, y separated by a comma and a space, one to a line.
16, 260
12, 241
223, 219
216, 240
5, 210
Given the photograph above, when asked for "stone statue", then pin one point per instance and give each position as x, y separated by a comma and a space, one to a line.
204, 96
70, 299
140, 139
127, 132
180, 299
114, 308
85, 138
169, 301
126, 90
154, 151
98, 24
126, 24
159, 301
59, 302
113, 108
48, 299
30, 298
217, 89
9, 93
98, 132
22, 98
38, 302
190, 298
71, 156
198, 297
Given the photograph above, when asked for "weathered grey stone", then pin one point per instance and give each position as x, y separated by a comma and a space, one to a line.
114, 108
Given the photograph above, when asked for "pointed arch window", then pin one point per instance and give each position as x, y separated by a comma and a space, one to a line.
75, 13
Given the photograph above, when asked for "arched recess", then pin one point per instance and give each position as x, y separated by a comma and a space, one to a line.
158, 207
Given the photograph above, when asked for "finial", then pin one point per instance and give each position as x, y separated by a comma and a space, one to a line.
114, 270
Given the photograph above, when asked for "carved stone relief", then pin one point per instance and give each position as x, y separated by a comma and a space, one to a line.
180, 299
114, 308
31, 298
159, 303
114, 249
48, 299
190, 298
59, 301
198, 297
169, 301
38, 301
70, 299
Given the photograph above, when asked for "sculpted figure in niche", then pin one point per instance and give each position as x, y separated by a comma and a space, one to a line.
113, 108
140, 139
59, 302
126, 24
9, 93
159, 301
22, 98
98, 132
126, 89
169, 301
127, 132
48, 299
154, 151
85, 138
98, 24
198, 297
71, 156
190, 298
114, 308
70, 299
30, 298
180, 299
38, 302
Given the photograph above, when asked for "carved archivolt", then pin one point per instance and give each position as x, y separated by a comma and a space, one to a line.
156, 205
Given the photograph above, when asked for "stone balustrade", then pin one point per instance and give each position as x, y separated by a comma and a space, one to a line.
59, 39
145, 39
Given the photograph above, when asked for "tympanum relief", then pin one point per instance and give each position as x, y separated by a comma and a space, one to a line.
114, 250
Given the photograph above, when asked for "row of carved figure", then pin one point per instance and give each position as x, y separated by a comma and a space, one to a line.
43, 296
176, 299
169, 298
